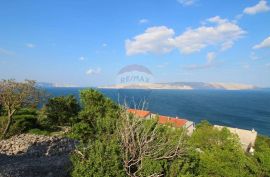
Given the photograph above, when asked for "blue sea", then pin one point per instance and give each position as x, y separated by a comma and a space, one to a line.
242, 109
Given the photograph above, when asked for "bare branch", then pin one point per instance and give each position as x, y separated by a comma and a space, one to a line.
142, 139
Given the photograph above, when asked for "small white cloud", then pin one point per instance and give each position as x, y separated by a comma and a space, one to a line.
91, 72
143, 21
217, 20
238, 17
6, 52
82, 58
30, 45
104, 45
253, 56
199, 66
187, 2
264, 44
210, 57
163, 65
246, 66
258, 8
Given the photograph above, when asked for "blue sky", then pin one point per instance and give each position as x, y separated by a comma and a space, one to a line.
85, 43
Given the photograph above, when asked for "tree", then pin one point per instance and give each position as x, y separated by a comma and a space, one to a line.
262, 154
62, 110
220, 153
1, 109
15, 95
147, 146
99, 112
99, 151
206, 136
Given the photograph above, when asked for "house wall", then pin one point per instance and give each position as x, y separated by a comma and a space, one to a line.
190, 126
247, 138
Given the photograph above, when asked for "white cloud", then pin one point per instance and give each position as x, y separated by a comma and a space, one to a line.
6, 52
154, 40
264, 44
104, 45
199, 66
258, 8
220, 32
210, 57
246, 66
253, 56
238, 17
82, 58
161, 39
163, 65
30, 45
143, 21
91, 72
187, 2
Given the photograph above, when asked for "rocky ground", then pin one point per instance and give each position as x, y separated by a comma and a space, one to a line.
28, 155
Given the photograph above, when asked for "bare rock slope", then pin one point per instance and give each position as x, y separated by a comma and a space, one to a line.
28, 155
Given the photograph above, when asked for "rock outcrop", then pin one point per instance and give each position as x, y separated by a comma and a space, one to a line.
28, 155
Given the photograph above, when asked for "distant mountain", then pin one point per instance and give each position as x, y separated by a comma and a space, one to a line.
50, 85
44, 84
183, 86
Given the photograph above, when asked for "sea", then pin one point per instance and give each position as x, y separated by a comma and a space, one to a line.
245, 109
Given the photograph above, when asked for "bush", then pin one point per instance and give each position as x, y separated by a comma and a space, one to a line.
96, 129
220, 153
81, 131
37, 131
23, 123
27, 111
62, 110
99, 112
1, 110
262, 154
100, 158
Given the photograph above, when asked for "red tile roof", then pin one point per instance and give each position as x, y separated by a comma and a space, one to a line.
139, 113
178, 122
163, 119
175, 121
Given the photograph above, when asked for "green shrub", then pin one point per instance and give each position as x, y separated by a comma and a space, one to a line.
1, 110
99, 112
27, 111
100, 158
37, 131
23, 123
262, 154
62, 110
81, 131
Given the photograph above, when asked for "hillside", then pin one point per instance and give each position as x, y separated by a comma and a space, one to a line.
183, 86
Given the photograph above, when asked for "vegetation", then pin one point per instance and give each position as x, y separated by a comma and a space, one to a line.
221, 153
115, 143
262, 154
62, 110
16, 95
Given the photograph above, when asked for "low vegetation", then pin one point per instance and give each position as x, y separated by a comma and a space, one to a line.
115, 143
